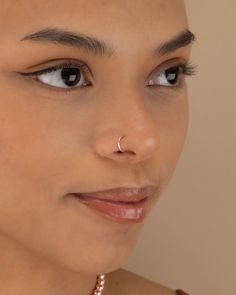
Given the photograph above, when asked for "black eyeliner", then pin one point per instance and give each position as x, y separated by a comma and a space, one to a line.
67, 64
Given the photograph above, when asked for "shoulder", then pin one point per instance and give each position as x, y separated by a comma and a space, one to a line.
124, 282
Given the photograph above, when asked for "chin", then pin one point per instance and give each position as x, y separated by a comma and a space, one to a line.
97, 258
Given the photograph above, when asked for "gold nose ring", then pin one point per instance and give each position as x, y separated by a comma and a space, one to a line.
119, 147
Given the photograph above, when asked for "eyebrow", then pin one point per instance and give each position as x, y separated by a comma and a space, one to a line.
98, 47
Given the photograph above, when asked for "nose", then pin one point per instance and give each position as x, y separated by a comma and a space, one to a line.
137, 125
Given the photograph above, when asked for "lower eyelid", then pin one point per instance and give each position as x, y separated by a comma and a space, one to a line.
180, 77
179, 85
72, 89
44, 86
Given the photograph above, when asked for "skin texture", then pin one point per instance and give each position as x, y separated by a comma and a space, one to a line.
54, 143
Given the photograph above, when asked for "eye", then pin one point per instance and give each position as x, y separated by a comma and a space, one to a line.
67, 75
170, 76
63, 78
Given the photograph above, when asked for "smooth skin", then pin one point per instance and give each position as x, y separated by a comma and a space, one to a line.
53, 143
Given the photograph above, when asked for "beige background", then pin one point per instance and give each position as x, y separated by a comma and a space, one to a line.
189, 240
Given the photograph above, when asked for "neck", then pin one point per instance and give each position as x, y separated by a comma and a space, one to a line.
25, 273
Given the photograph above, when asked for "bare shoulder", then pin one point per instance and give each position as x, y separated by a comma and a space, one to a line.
124, 282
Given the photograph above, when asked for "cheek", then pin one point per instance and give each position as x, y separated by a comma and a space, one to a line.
32, 153
174, 128
23, 146
33, 143
29, 159
19, 160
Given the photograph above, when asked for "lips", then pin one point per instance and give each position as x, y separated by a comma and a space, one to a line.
121, 194
123, 205
121, 212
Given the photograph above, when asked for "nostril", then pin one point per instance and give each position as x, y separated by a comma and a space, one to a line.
131, 153
128, 152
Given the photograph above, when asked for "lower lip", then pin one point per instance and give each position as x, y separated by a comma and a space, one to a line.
132, 212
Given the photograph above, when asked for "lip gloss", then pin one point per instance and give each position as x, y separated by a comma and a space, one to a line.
119, 211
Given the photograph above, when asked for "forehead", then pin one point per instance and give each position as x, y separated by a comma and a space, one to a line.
101, 17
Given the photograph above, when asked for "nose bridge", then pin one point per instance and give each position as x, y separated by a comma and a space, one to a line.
131, 107
130, 116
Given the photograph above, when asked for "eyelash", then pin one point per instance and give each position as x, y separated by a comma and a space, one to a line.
186, 69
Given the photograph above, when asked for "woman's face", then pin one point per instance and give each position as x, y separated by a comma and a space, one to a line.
56, 140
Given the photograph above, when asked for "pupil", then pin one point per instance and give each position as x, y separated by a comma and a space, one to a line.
172, 75
70, 76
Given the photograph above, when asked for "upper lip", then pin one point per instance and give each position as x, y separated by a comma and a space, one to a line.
123, 194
